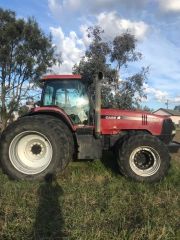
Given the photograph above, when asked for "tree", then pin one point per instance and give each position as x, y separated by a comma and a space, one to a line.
25, 54
111, 58
23, 110
95, 56
145, 108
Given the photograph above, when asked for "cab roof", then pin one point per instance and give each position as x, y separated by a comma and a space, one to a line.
59, 77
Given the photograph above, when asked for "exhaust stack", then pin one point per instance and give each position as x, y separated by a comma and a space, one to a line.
98, 79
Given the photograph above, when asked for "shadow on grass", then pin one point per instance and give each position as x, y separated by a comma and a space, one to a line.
110, 162
49, 221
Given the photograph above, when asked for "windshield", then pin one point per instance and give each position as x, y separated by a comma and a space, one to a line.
71, 96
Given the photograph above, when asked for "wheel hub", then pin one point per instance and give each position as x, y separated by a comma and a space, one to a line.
36, 149
30, 152
144, 161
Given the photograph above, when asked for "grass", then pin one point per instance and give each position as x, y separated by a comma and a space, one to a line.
90, 201
177, 136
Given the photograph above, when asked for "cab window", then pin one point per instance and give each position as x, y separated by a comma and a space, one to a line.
69, 95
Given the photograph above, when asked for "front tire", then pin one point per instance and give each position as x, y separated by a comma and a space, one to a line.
143, 158
33, 147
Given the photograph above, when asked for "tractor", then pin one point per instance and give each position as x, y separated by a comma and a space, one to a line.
70, 124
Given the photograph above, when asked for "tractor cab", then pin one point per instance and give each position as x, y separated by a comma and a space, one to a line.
68, 93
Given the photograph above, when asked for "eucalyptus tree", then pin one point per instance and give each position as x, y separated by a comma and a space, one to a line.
111, 58
25, 54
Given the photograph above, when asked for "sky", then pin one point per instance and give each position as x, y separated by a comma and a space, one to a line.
155, 23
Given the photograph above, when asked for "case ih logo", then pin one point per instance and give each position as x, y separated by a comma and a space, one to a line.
142, 118
110, 117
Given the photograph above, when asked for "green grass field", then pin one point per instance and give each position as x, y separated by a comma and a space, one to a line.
91, 201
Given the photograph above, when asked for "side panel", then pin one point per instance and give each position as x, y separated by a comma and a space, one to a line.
114, 121
88, 147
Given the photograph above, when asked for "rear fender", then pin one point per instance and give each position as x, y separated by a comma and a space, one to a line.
55, 112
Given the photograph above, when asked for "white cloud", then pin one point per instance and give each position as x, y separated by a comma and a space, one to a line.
113, 25
71, 47
57, 33
176, 100
83, 29
169, 5
57, 6
163, 57
159, 95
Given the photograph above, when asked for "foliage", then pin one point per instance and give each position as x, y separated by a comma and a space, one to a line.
111, 58
145, 108
95, 56
25, 54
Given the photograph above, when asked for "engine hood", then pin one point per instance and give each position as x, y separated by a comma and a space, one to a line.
114, 121
108, 113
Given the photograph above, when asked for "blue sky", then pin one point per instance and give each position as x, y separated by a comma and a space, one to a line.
155, 23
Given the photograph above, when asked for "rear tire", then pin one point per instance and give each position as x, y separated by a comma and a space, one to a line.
143, 158
34, 147
61, 126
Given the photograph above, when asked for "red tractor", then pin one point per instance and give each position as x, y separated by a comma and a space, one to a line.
69, 124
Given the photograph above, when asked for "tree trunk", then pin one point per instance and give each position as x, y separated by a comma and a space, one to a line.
4, 119
3, 104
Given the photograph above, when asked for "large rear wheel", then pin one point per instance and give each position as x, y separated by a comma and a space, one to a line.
143, 158
34, 147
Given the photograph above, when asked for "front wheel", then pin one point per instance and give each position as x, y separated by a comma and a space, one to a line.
143, 158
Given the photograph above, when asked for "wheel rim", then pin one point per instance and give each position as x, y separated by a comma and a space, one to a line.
30, 152
145, 161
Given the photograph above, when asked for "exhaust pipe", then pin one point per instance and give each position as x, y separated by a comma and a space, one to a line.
98, 79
